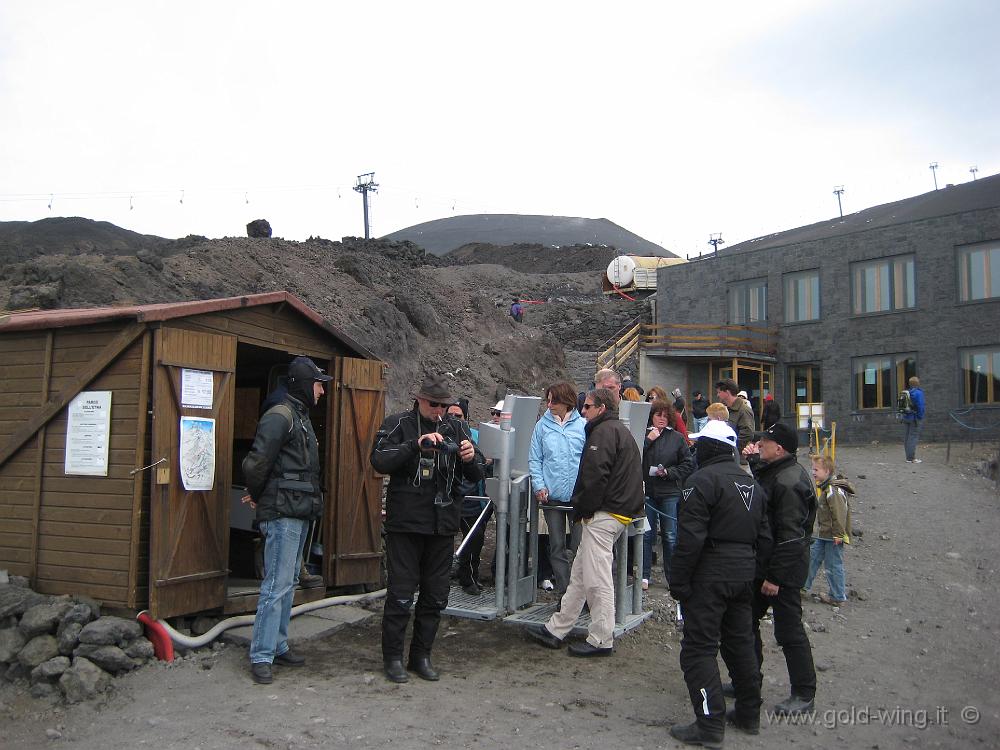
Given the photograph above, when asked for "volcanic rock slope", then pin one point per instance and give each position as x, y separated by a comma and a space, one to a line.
418, 312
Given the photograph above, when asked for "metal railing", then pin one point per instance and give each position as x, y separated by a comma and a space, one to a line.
693, 337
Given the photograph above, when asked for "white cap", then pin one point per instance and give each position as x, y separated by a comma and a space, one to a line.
742, 394
716, 430
499, 406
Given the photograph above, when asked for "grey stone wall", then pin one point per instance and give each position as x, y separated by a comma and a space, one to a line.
936, 330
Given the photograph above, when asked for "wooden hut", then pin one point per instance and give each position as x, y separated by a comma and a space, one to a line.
122, 432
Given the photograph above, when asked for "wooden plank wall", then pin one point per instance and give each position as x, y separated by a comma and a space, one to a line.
272, 326
84, 535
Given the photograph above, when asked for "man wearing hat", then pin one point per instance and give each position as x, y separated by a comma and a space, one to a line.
283, 480
782, 567
426, 455
720, 521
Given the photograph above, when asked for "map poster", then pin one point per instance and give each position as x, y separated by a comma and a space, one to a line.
88, 434
197, 453
196, 389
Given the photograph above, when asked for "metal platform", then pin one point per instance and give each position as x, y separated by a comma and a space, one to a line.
539, 614
483, 606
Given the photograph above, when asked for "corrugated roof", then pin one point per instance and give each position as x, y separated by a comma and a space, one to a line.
970, 196
65, 318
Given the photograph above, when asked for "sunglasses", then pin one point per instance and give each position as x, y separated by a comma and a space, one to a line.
494, 412
437, 404
588, 406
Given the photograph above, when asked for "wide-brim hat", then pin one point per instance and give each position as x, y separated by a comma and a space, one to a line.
435, 388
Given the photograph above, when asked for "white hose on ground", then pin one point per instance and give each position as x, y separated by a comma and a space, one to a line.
188, 641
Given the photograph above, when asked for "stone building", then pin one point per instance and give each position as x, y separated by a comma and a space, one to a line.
842, 312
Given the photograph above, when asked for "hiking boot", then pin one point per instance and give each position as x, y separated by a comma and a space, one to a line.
747, 726
547, 585
260, 672
423, 667
394, 670
692, 734
826, 599
290, 659
543, 636
472, 589
310, 581
794, 705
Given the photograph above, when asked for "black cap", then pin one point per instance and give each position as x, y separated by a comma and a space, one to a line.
303, 369
783, 435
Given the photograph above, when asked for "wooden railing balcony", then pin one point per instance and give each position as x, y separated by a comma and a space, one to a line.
693, 339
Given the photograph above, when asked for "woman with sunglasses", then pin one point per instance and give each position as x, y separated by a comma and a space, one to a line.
554, 462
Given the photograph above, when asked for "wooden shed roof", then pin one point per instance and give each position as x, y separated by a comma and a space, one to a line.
65, 318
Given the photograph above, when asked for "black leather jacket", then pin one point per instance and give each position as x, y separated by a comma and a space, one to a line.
282, 468
721, 521
422, 502
791, 509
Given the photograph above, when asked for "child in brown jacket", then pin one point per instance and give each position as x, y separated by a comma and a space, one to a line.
833, 526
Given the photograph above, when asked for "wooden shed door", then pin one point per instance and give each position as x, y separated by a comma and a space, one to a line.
355, 524
189, 528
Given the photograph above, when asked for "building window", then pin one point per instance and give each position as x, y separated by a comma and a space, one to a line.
981, 375
978, 273
884, 285
802, 296
748, 302
806, 385
879, 379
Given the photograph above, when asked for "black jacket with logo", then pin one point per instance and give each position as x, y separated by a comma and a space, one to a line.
669, 450
610, 477
415, 503
721, 522
791, 509
282, 468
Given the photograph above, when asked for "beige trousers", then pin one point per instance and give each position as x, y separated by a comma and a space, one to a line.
590, 581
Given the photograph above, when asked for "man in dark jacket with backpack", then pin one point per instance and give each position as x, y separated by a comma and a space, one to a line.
427, 455
282, 473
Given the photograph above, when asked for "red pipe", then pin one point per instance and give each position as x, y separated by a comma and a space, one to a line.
163, 647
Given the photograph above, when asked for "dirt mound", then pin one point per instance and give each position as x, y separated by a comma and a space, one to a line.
417, 312
535, 258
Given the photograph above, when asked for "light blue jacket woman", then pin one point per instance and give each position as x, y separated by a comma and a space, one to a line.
554, 457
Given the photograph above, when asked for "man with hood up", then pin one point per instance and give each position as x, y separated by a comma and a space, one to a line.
282, 473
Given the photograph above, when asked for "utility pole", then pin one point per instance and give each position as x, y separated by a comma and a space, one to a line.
715, 240
973, 169
934, 166
839, 191
366, 184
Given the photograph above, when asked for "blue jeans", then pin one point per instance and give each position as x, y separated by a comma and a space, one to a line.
667, 523
699, 423
911, 433
284, 540
831, 556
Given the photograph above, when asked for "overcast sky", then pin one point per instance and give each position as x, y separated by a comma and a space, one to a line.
674, 120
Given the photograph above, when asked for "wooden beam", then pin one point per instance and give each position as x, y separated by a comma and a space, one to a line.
45, 413
40, 460
140, 476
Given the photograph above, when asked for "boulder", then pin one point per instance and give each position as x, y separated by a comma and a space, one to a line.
11, 642
15, 671
83, 680
420, 314
259, 228
109, 658
140, 648
51, 670
108, 631
68, 636
38, 649
43, 619
15, 600
44, 690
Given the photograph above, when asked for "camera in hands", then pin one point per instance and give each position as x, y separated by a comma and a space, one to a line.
447, 445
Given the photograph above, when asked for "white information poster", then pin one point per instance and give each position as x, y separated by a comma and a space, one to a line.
196, 389
197, 453
88, 434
